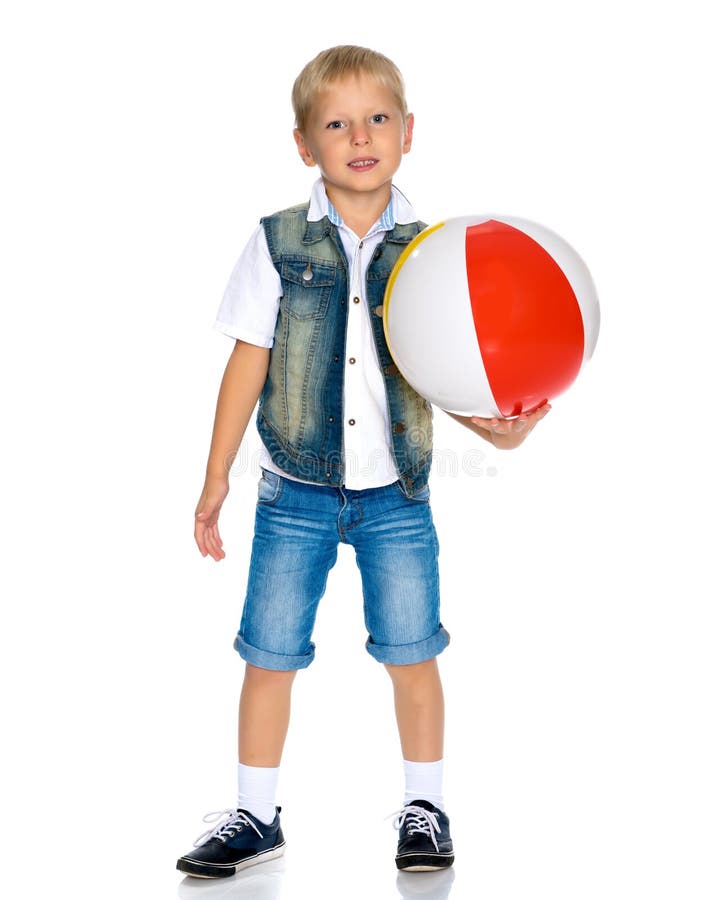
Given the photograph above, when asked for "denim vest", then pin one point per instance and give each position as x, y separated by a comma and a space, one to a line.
300, 414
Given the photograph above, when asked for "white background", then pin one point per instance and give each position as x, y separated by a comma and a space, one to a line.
142, 141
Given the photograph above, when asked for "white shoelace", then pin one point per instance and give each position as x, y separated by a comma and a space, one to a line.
229, 822
420, 821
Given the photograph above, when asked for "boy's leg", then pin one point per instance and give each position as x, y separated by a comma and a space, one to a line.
294, 547
264, 716
263, 720
424, 842
397, 553
419, 709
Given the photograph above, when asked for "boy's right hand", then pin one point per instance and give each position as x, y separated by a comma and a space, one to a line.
207, 536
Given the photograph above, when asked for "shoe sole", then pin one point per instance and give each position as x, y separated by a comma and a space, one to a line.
418, 862
201, 870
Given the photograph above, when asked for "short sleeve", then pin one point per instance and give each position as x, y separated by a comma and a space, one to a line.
249, 307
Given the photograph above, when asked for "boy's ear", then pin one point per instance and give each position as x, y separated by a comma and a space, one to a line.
409, 124
303, 149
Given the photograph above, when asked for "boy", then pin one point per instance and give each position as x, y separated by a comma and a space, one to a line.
347, 451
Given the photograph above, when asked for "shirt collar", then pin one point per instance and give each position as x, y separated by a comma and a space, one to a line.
397, 212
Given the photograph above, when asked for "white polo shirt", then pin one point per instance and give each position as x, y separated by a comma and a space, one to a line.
249, 310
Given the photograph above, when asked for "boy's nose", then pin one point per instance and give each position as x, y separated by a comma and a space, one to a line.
360, 136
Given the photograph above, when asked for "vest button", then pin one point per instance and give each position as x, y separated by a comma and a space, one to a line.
399, 427
331, 418
336, 359
378, 310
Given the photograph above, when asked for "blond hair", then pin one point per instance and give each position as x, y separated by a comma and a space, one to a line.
341, 62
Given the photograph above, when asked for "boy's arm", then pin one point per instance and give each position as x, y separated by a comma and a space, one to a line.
240, 388
505, 434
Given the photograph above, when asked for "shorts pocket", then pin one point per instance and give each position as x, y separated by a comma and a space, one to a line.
422, 496
269, 487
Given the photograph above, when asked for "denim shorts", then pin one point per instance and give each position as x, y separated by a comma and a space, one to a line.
297, 531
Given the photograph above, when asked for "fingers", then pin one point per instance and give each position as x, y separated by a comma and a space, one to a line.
487, 424
532, 418
214, 543
208, 539
525, 421
207, 535
506, 434
499, 426
541, 411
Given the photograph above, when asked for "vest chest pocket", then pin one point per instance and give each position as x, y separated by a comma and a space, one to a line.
307, 285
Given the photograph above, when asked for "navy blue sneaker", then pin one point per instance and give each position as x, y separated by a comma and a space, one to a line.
424, 843
237, 841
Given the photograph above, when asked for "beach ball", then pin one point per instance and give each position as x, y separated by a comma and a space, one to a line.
490, 315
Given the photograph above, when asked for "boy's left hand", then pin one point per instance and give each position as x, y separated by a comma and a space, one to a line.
506, 434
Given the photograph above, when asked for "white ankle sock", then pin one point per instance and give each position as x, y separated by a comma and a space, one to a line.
423, 781
256, 791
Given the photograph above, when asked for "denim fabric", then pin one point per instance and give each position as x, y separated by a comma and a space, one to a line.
297, 531
300, 415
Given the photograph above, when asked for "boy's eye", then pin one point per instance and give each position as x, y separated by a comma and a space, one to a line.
336, 124
378, 119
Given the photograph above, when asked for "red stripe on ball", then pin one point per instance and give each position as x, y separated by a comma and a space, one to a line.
527, 320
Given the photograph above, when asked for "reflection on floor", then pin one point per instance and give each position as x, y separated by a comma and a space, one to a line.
266, 882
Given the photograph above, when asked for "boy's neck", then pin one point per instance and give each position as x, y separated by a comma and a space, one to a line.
359, 211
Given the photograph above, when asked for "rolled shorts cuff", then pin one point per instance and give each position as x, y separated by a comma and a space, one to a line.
265, 659
407, 654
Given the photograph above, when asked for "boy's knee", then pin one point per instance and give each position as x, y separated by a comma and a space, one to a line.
413, 673
268, 677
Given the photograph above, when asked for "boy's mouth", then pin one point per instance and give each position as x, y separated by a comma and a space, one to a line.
364, 163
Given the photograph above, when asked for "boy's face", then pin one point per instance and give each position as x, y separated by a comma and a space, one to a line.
356, 135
